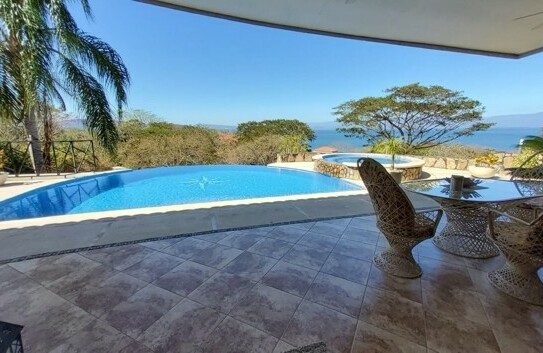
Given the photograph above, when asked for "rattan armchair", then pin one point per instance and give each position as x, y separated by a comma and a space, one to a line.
402, 226
518, 232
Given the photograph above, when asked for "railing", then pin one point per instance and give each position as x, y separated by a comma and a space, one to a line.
70, 156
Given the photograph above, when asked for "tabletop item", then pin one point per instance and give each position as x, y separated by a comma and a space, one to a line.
456, 183
467, 212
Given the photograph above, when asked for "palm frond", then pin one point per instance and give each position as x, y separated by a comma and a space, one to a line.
92, 101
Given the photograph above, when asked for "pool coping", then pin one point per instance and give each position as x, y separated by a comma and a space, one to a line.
60, 219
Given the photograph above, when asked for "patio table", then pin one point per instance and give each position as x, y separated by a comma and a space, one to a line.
467, 211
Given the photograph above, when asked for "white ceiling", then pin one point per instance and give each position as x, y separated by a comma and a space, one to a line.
493, 27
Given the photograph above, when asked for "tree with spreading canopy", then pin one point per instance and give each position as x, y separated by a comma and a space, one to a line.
418, 116
45, 57
280, 127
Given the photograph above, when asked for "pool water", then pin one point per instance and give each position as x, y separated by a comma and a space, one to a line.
353, 158
167, 186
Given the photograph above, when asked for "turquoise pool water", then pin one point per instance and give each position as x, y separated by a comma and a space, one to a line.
167, 186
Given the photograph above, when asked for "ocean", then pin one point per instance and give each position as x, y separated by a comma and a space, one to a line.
498, 138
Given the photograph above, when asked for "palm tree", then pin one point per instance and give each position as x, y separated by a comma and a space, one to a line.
45, 57
534, 143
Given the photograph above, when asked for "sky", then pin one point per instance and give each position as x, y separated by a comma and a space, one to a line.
191, 69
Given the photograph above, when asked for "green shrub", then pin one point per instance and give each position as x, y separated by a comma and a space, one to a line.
453, 150
187, 145
524, 156
260, 151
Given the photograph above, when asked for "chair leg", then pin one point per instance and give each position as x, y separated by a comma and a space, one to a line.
398, 260
519, 280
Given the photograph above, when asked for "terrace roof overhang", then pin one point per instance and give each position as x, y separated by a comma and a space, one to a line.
508, 28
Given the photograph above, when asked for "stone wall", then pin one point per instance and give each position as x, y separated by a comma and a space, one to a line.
505, 160
343, 171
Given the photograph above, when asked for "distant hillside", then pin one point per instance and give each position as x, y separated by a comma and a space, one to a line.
534, 120
220, 127
73, 124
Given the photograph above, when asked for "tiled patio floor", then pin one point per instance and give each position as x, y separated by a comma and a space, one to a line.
262, 290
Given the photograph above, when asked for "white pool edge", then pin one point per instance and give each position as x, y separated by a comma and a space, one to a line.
42, 221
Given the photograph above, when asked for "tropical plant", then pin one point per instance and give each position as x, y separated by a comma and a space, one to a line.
486, 160
535, 143
293, 144
527, 158
45, 57
392, 146
420, 116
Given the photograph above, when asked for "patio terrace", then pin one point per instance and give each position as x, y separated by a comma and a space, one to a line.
265, 289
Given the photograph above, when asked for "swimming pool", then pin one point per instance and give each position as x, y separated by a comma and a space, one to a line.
353, 158
166, 186
343, 165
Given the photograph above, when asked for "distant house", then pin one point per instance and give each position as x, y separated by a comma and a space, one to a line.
325, 149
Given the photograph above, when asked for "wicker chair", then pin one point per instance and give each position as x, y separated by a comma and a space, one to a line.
529, 180
403, 227
518, 233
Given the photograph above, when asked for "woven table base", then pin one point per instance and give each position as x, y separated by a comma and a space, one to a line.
465, 232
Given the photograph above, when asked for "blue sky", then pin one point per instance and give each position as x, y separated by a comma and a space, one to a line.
192, 69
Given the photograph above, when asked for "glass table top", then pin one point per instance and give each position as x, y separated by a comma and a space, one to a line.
486, 190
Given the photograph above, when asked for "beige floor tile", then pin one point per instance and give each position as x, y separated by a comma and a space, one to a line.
153, 266
372, 339
119, 257
222, 291
233, 336
336, 293
453, 302
241, 239
287, 233
410, 288
216, 256
316, 323
183, 329
307, 257
267, 309
348, 268
362, 235
187, 248
330, 229
447, 336
96, 337
251, 266
185, 278
356, 249
395, 314
271, 247
134, 315
290, 278
318, 241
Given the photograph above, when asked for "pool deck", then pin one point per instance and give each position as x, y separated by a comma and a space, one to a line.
280, 281
52, 235
263, 290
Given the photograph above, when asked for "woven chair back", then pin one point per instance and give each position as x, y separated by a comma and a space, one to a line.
393, 209
527, 170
